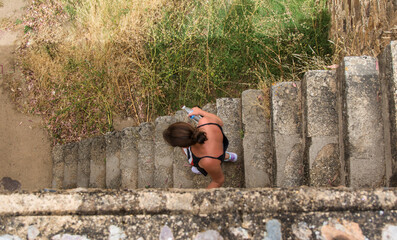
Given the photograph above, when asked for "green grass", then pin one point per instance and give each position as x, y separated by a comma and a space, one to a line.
145, 58
201, 52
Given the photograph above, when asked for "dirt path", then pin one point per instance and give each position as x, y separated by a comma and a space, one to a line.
25, 159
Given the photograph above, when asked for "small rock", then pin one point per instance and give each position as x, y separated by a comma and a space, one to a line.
209, 235
273, 230
9, 237
389, 233
116, 233
339, 230
302, 231
166, 233
33, 232
68, 237
240, 233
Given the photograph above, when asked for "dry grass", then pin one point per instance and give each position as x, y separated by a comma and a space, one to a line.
86, 69
364, 28
89, 60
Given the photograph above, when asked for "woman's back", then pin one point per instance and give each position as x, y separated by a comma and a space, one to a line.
214, 145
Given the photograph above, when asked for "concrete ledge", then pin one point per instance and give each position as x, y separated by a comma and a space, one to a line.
300, 213
192, 201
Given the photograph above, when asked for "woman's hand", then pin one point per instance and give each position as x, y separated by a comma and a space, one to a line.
207, 117
196, 111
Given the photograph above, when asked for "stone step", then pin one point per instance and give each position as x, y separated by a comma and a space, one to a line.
70, 154
320, 128
58, 166
129, 158
388, 77
163, 154
362, 145
286, 125
113, 170
329, 131
83, 163
98, 163
257, 141
146, 162
229, 110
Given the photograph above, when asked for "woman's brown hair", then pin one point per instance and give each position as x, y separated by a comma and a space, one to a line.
182, 134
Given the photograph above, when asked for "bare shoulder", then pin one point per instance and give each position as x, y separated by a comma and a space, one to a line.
206, 120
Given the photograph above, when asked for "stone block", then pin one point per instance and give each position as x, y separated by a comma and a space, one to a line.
319, 89
361, 140
146, 146
388, 78
320, 125
58, 166
129, 158
325, 169
83, 165
253, 111
286, 124
258, 160
70, 154
286, 108
98, 163
182, 174
229, 110
294, 167
113, 172
258, 150
163, 157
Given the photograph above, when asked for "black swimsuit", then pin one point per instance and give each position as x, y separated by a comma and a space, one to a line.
221, 158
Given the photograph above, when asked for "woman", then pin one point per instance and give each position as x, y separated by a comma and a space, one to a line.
206, 143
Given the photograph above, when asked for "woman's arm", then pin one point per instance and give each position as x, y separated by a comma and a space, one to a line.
213, 167
209, 116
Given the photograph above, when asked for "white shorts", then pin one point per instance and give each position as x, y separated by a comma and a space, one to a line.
188, 153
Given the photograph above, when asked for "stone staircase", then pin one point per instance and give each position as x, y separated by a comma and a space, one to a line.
334, 128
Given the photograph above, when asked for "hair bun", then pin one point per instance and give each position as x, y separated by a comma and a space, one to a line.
199, 136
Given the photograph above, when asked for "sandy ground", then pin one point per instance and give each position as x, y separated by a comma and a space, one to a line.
25, 159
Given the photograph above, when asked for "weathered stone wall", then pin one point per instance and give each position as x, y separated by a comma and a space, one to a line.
363, 27
299, 213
